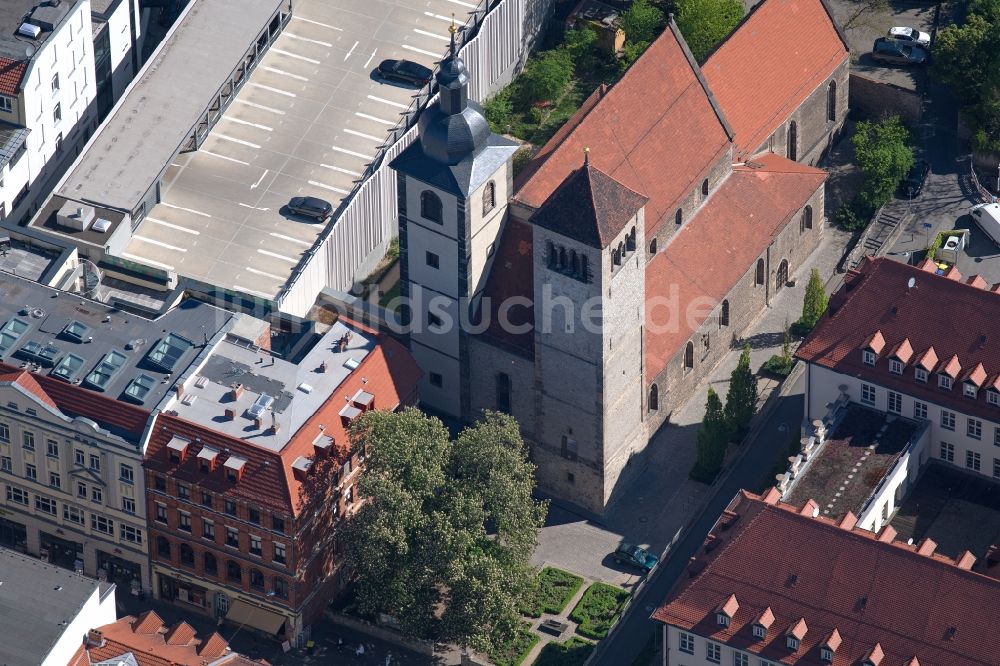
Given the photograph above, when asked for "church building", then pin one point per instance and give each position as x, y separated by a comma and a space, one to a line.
589, 295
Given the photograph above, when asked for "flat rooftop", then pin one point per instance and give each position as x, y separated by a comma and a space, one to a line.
307, 123
957, 509
143, 134
37, 601
286, 394
14, 12
861, 450
116, 353
47, 219
24, 260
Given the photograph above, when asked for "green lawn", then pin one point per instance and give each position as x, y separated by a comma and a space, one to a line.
513, 653
598, 610
555, 588
572, 652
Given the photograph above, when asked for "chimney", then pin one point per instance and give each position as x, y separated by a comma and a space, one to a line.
887, 534
230, 414
772, 496
237, 392
258, 423
95, 638
179, 390
927, 547
849, 521
965, 561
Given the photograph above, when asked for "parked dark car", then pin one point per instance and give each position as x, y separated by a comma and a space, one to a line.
896, 52
911, 186
635, 556
405, 71
310, 207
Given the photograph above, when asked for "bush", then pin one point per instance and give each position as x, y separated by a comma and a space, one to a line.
555, 588
499, 111
777, 366
514, 652
520, 160
598, 610
641, 22
546, 76
705, 23
572, 652
884, 156
847, 218
800, 329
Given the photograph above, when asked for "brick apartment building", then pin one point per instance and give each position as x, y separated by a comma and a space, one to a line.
249, 471
907, 342
775, 584
675, 204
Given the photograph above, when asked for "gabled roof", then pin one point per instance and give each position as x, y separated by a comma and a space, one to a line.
657, 131
512, 276
11, 74
27, 383
589, 207
781, 52
883, 597
715, 248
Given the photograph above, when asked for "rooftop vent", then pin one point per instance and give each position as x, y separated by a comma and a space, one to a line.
29, 30
101, 225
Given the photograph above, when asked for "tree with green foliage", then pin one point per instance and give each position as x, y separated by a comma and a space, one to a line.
815, 301
741, 400
443, 539
964, 60
712, 439
546, 76
705, 23
581, 44
883, 153
641, 22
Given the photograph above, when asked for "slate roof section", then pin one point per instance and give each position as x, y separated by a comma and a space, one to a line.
781, 52
943, 320
657, 131
35, 598
718, 245
589, 207
873, 592
459, 179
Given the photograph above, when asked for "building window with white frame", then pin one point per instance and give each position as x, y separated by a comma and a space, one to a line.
54, 480
6, 104
868, 394
947, 452
993, 398
947, 419
17, 495
868, 358
126, 473
686, 643
973, 460
95, 462
919, 409
101, 524
30, 472
128, 505
974, 428
78, 458
28, 440
944, 382
713, 652
920, 375
73, 514
130, 534
741, 659
52, 448
4, 432
45, 505
826, 654
57, 114
6, 464
970, 390
895, 366
895, 402
96, 495
279, 554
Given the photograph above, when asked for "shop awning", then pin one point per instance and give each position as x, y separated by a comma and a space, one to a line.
240, 612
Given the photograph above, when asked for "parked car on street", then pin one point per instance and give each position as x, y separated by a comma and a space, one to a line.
905, 34
911, 186
404, 71
635, 556
987, 217
896, 52
318, 209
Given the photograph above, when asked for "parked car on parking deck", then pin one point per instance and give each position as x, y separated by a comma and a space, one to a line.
404, 71
317, 209
905, 34
896, 52
635, 556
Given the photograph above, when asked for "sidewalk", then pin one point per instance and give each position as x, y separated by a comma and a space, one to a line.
662, 499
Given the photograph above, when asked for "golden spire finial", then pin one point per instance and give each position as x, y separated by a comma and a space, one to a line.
452, 28
586, 156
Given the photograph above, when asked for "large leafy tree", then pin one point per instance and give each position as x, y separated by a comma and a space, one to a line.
641, 22
546, 76
705, 23
741, 400
882, 151
443, 539
964, 58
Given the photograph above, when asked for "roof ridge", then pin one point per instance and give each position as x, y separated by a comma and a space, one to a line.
696, 68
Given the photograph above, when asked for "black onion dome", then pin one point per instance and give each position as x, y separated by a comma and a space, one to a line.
449, 138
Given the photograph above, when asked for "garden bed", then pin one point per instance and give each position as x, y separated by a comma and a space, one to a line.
514, 653
572, 652
555, 588
599, 609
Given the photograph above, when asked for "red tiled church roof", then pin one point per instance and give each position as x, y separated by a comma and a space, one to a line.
880, 597
770, 64
660, 149
512, 276
716, 247
950, 326
11, 74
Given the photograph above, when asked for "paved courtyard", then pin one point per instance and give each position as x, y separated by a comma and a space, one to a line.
307, 122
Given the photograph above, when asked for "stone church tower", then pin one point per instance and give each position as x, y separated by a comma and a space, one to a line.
453, 186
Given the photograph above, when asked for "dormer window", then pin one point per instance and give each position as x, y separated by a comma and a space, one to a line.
234, 468
723, 619
826, 654
869, 357
920, 375
759, 631
177, 449
993, 398
969, 390
895, 367
944, 382
793, 643
206, 459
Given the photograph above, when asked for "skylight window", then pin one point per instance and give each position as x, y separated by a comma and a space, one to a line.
43, 354
76, 331
168, 352
139, 388
10, 334
68, 367
101, 376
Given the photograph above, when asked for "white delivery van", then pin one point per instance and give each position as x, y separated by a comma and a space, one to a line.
987, 216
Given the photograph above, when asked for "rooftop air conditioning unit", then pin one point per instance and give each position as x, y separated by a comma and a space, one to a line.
952, 242
29, 30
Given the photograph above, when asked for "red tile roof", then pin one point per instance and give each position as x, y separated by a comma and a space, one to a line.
656, 132
25, 380
388, 372
154, 644
950, 325
878, 596
770, 64
715, 248
11, 74
512, 276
